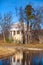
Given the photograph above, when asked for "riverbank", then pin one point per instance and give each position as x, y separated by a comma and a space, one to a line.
7, 49
36, 45
6, 52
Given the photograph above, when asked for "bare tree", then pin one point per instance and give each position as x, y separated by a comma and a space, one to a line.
29, 15
5, 23
37, 22
1, 25
21, 19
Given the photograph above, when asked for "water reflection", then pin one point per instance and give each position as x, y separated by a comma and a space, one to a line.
37, 58
6, 62
34, 58
27, 58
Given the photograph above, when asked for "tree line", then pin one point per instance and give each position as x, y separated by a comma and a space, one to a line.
32, 17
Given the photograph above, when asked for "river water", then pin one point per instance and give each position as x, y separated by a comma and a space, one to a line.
5, 62
34, 58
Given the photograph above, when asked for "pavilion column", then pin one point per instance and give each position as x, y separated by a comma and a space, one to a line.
16, 32
20, 32
12, 33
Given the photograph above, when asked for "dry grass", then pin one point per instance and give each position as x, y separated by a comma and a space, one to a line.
6, 52
34, 45
29, 45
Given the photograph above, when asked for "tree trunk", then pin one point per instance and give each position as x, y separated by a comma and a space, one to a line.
27, 32
23, 38
23, 32
3, 35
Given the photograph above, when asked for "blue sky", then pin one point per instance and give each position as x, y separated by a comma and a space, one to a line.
10, 5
